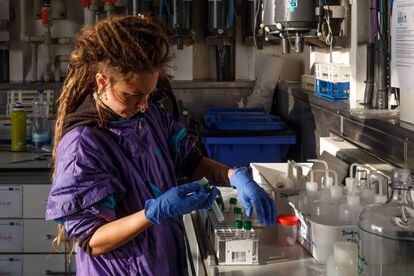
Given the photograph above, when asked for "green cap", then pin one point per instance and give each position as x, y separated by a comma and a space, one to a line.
237, 211
233, 200
219, 200
238, 224
207, 187
247, 225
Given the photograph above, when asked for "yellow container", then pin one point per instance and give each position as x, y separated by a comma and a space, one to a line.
18, 128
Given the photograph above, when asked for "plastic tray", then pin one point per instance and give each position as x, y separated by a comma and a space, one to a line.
241, 120
241, 151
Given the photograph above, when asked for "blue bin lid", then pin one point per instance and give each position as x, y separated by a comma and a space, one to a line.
242, 119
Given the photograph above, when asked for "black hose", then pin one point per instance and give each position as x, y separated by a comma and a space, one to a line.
369, 84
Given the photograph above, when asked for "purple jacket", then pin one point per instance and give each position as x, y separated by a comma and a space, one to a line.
121, 161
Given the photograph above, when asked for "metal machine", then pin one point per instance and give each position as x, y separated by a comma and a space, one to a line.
287, 19
179, 15
220, 33
136, 7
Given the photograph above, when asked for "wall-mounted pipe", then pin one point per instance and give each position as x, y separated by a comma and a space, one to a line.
135, 7
57, 61
46, 38
35, 47
23, 32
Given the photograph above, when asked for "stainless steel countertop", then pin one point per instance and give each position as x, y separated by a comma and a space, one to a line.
7, 157
277, 260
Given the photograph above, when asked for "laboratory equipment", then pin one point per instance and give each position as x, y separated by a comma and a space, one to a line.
220, 22
40, 124
326, 180
232, 204
235, 242
325, 210
337, 191
386, 244
380, 180
220, 203
179, 14
237, 213
238, 224
289, 19
350, 180
214, 206
287, 227
306, 198
248, 229
343, 261
18, 128
318, 238
349, 211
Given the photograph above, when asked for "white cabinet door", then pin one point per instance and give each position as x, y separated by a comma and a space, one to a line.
10, 201
34, 200
43, 265
11, 265
38, 235
36, 265
11, 236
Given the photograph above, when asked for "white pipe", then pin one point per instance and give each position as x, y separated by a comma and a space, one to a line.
48, 63
23, 35
326, 169
351, 169
58, 60
34, 60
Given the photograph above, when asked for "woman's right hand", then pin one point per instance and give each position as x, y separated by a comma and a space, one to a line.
178, 201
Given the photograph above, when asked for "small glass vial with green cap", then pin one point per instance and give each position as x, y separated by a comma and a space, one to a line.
238, 224
249, 234
248, 230
233, 203
220, 202
237, 213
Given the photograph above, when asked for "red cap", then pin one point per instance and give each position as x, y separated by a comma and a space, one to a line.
44, 16
85, 3
287, 220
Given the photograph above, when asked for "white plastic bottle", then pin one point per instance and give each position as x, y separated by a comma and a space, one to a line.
343, 261
337, 191
40, 124
306, 198
350, 180
324, 210
349, 212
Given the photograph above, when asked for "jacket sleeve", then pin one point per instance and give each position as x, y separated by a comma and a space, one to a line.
84, 175
185, 152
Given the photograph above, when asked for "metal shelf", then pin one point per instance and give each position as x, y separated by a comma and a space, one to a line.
31, 85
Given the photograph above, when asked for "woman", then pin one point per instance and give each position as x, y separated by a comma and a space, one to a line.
116, 157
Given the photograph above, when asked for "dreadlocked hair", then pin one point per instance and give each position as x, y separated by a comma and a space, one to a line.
122, 46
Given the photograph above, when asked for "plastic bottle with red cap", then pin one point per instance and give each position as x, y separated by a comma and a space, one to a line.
287, 229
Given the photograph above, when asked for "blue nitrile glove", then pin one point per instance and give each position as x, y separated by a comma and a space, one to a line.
248, 191
178, 201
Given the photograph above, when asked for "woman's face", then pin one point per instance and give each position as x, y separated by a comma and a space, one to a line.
127, 98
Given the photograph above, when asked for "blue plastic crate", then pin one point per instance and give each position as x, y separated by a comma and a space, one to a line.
241, 120
333, 91
241, 151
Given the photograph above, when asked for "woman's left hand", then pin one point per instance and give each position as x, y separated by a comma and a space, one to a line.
249, 191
